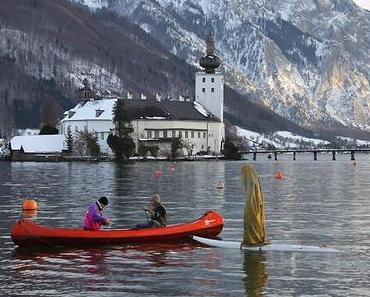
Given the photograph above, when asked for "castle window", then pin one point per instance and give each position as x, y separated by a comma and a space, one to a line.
102, 135
71, 113
203, 90
192, 134
149, 134
98, 112
180, 134
198, 134
173, 134
164, 134
203, 79
212, 90
156, 134
204, 134
212, 79
186, 134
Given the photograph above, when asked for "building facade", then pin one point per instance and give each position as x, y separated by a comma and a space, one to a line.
199, 123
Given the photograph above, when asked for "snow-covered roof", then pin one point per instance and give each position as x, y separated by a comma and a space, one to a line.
201, 109
39, 143
139, 109
88, 111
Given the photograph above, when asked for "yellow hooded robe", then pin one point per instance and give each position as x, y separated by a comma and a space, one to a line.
254, 216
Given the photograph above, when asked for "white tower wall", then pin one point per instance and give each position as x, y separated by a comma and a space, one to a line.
209, 91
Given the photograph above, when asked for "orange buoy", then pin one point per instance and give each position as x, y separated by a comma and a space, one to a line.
29, 204
158, 173
279, 175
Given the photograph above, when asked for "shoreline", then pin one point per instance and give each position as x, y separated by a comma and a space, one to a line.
59, 159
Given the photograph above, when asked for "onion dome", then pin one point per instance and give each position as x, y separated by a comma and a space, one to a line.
210, 62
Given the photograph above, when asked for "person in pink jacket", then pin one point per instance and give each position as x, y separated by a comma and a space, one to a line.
93, 218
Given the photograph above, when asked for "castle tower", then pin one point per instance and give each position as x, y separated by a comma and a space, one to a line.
209, 84
85, 93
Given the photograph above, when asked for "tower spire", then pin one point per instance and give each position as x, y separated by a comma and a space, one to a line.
210, 62
210, 45
85, 92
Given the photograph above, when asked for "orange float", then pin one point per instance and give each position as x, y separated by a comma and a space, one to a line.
29, 204
279, 175
158, 173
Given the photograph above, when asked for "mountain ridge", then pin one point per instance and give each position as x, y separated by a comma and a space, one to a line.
303, 59
51, 46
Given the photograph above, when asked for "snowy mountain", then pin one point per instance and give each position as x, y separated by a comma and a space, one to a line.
305, 59
47, 47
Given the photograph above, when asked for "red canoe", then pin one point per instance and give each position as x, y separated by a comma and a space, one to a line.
25, 233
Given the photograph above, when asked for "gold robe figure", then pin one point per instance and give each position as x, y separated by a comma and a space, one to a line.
254, 216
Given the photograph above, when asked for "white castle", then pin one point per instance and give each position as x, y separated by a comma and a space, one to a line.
199, 123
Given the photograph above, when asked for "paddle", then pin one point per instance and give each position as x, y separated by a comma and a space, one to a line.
146, 215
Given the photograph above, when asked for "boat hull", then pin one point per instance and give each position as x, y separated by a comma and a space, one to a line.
275, 247
26, 233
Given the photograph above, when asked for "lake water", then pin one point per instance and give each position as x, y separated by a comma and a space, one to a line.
316, 203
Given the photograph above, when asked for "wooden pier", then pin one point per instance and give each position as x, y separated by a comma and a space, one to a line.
314, 152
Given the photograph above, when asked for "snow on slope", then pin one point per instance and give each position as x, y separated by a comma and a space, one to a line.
303, 59
280, 139
93, 4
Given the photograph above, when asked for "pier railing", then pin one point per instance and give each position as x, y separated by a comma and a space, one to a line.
276, 152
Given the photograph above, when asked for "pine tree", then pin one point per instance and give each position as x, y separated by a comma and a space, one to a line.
231, 151
121, 120
121, 143
69, 140
175, 146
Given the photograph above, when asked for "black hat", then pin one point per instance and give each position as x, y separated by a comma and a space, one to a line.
103, 200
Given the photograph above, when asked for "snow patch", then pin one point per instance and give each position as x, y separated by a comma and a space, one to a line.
201, 109
39, 143
279, 139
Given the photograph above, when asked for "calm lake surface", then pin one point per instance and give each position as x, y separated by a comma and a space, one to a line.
316, 203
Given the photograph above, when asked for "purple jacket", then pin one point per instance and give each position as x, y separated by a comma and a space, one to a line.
93, 218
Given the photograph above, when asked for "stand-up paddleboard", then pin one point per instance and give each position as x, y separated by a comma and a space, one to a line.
269, 247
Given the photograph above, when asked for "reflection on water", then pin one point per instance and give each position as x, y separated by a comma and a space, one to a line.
29, 214
315, 203
255, 273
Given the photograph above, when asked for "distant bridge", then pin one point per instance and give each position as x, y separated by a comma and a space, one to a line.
275, 153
